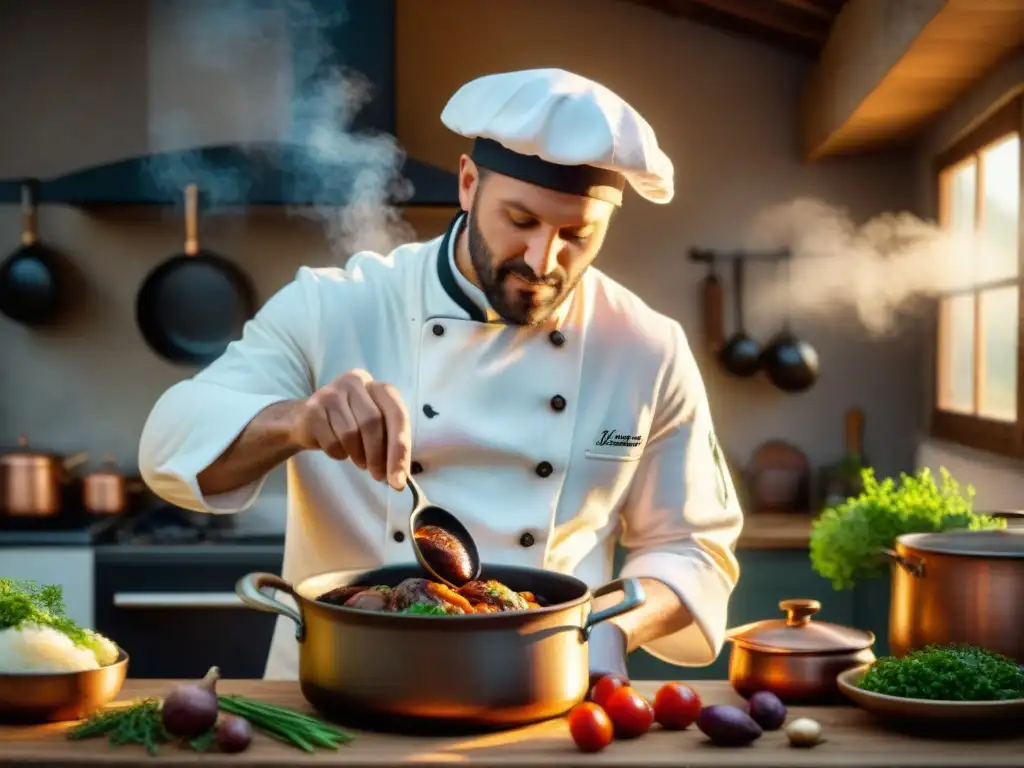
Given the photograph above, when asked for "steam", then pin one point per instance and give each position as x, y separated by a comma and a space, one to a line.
880, 270
251, 73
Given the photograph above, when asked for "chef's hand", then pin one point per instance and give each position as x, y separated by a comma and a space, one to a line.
357, 418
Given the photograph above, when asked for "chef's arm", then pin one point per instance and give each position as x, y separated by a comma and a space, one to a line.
680, 523
662, 614
267, 441
236, 407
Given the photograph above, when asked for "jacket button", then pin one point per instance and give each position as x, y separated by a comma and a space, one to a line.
557, 338
438, 329
558, 403
398, 536
526, 540
416, 467
544, 469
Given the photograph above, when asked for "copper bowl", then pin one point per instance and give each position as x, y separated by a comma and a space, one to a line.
44, 697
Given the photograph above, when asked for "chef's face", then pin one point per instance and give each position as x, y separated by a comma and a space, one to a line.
529, 245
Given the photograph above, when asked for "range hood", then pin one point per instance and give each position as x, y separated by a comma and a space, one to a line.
281, 173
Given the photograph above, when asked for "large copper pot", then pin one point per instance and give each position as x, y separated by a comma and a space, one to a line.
32, 482
493, 670
958, 587
796, 658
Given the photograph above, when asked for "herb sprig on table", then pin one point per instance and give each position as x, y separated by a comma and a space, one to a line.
148, 722
847, 540
952, 673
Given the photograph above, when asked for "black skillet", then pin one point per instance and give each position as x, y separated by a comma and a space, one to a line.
191, 307
741, 355
790, 362
32, 288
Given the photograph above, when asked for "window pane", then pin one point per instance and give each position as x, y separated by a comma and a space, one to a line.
956, 372
1000, 210
1000, 310
963, 186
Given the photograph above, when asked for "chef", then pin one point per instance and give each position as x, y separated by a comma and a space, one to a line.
543, 403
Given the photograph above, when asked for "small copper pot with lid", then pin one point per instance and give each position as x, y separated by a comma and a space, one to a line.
32, 482
106, 491
795, 658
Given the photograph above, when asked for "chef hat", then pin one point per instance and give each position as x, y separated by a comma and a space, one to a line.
559, 130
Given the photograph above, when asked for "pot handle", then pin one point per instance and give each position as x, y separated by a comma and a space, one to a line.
633, 598
250, 589
915, 566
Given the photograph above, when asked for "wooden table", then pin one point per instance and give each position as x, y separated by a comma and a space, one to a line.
853, 739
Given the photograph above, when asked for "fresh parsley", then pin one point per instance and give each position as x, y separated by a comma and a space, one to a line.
951, 673
847, 539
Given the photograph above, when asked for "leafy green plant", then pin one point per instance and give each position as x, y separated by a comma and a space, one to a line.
952, 673
848, 539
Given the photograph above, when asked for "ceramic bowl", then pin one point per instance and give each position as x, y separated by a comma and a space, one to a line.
896, 708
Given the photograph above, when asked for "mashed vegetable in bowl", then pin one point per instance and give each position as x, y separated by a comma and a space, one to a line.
36, 635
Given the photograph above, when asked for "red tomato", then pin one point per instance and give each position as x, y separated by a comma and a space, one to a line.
676, 706
630, 712
590, 727
605, 687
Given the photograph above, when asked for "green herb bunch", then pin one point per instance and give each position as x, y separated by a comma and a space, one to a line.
24, 602
847, 540
952, 673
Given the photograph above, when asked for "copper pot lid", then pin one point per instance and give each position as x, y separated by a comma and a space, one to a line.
796, 633
108, 470
23, 454
1008, 544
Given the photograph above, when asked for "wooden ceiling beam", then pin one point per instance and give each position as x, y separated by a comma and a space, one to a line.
811, 7
890, 66
800, 26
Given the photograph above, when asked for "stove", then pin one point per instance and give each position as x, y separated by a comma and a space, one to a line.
166, 524
155, 525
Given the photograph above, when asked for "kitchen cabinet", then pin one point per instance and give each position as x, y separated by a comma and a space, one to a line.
174, 608
766, 577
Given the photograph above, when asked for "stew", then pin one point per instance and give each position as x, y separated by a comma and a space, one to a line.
426, 597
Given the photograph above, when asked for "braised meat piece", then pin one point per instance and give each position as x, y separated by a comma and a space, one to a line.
493, 595
423, 592
372, 599
445, 554
340, 595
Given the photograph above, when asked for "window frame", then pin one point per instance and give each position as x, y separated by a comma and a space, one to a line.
999, 437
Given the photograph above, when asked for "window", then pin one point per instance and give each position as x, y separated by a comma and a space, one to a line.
979, 384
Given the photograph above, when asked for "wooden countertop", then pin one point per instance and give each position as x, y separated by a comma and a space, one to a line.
853, 739
771, 530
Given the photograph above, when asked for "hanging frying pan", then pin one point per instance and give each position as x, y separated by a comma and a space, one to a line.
193, 305
32, 290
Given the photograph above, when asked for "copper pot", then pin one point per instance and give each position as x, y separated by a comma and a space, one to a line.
958, 587
105, 490
795, 658
32, 482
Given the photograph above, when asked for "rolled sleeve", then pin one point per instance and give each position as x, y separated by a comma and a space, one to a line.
197, 419
682, 518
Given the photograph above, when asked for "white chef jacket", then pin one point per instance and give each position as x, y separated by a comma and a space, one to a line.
549, 443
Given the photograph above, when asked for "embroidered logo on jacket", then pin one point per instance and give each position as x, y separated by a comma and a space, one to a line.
609, 438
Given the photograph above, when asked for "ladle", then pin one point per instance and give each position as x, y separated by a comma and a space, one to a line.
425, 513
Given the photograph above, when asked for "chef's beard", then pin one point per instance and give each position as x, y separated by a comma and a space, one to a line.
513, 306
